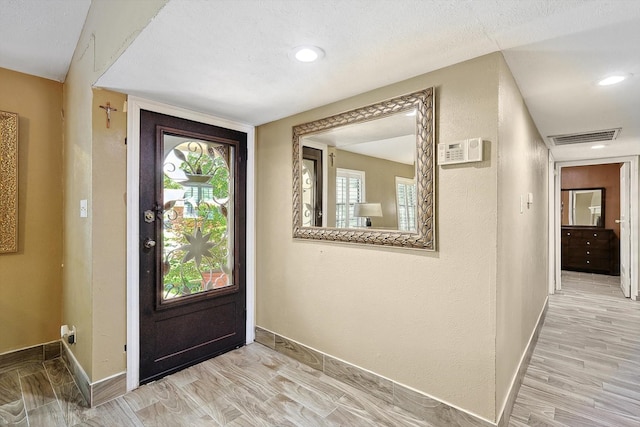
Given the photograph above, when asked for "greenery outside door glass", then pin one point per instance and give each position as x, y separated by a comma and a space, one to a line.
197, 217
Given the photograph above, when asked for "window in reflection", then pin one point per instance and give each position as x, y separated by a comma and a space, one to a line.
406, 203
349, 191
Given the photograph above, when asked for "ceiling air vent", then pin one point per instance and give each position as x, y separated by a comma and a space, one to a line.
586, 137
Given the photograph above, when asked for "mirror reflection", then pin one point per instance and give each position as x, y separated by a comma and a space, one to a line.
583, 207
366, 176
370, 175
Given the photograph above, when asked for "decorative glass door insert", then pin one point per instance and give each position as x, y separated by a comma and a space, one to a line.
197, 215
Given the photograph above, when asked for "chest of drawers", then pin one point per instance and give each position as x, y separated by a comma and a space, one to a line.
591, 250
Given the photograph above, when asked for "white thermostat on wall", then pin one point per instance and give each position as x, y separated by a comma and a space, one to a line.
465, 151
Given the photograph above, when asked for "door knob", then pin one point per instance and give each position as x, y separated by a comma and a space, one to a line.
618, 221
149, 243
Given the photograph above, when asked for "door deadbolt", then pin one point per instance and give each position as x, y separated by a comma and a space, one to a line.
149, 243
149, 216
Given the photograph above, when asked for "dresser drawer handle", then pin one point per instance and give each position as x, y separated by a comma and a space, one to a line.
568, 234
595, 234
588, 243
587, 261
588, 253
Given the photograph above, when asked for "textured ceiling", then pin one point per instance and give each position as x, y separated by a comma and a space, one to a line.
231, 58
39, 37
558, 78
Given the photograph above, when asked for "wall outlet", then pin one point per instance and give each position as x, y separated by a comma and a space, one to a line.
68, 333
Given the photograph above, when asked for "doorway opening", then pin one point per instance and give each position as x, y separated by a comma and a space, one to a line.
192, 281
134, 219
595, 225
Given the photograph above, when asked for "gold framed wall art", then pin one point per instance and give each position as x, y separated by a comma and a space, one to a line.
8, 182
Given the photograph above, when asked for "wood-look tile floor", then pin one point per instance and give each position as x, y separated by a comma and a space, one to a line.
585, 371
250, 386
585, 368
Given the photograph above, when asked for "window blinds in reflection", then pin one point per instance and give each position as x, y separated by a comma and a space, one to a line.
349, 191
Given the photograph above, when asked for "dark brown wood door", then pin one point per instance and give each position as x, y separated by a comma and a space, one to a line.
192, 242
311, 187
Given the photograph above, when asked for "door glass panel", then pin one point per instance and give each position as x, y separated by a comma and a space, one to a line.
197, 217
308, 192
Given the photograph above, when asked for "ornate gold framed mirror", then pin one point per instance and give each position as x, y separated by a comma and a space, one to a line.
366, 176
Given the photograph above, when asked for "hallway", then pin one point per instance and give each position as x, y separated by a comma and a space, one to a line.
585, 369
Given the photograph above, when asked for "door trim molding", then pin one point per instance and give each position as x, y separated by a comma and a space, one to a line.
135, 104
634, 222
553, 257
325, 175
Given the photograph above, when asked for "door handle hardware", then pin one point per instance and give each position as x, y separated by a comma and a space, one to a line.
149, 243
618, 221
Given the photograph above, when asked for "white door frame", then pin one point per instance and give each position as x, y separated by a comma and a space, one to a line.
633, 220
625, 176
553, 257
134, 105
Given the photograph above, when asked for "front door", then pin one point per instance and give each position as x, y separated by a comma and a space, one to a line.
192, 242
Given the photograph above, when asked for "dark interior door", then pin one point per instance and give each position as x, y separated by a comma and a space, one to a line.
192, 242
311, 187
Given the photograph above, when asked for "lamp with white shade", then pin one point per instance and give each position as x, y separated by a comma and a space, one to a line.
368, 210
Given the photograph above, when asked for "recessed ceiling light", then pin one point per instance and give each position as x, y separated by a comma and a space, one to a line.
597, 146
613, 79
307, 53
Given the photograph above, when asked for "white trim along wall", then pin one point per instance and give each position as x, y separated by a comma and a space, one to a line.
134, 105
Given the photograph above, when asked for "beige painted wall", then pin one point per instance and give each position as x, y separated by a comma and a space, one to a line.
30, 280
380, 183
77, 163
109, 240
424, 319
94, 159
522, 237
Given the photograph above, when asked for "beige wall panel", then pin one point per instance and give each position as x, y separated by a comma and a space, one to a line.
109, 243
522, 237
424, 319
30, 279
109, 28
77, 274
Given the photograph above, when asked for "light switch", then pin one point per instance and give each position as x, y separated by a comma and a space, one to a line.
83, 208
